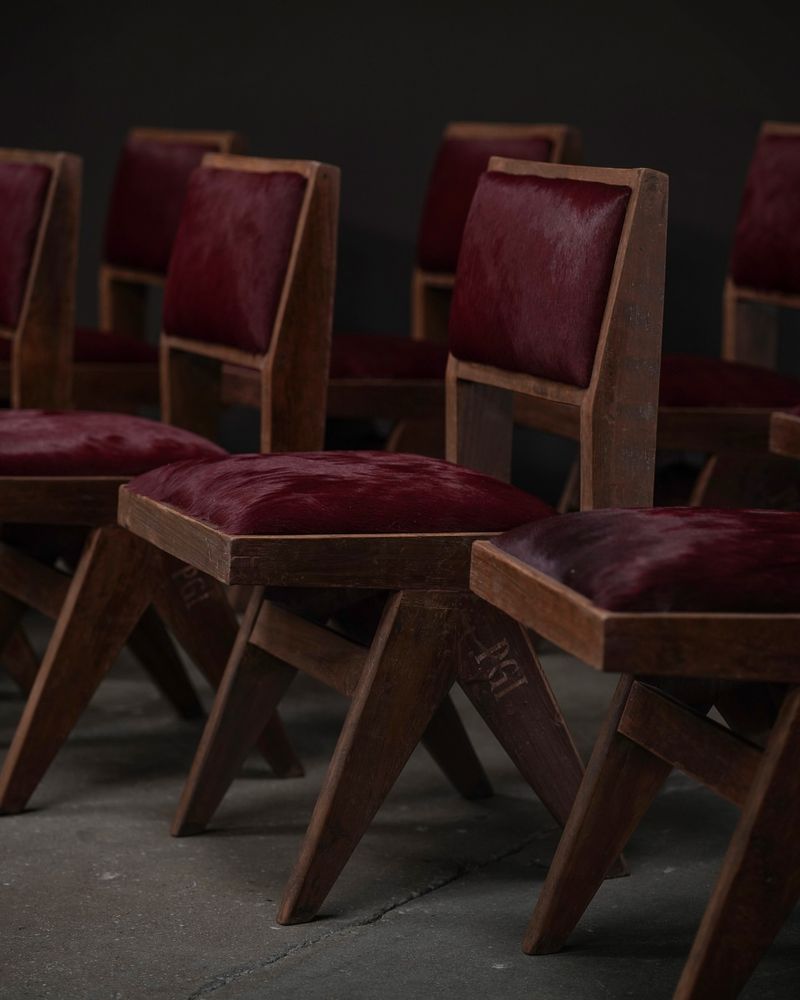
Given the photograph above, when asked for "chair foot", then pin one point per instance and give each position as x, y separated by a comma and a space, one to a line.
107, 595
621, 781
759, 884
409, 670
252, 685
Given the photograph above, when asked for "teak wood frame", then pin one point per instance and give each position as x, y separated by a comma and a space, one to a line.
40, 369
122, 302
117, 576
416, 399
431, 633
647, 733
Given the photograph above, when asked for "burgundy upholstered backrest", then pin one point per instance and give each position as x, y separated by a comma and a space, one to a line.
146, 200
534, 274
23, 195
456, 170
231, 256
766, 246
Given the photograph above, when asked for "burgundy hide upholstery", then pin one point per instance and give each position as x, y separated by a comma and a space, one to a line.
362, 355
146, 201
231, 256
534, 274
766, 246
23, 192
691, 380
458, 166
96, 347
338, 493
669, 558
82, 443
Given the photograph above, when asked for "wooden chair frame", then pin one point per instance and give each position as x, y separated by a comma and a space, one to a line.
432, 632
118, 577
648, 732
416, 399
40, 369
122, 302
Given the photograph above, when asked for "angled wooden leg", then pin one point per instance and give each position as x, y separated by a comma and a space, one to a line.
501, 674
152, 646
410, 668
446, 740
621, 781
20, 660
198, 612
253, 684
106, 597
759, 884
418, 437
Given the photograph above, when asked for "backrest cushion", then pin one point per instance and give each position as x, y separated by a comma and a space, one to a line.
766, 245
23, 193
146, 201
534, 274
456, 170
231, 256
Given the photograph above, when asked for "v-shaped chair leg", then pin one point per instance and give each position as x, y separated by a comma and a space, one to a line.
198, 611
107, 595
253, 684
152, 646
759, 884
410, 668
621, 781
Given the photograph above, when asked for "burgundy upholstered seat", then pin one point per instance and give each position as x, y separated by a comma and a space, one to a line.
146, 201
81, 443
691, 380
766, 247
362, 355
338, 493
669, 558
456, 171
23, 191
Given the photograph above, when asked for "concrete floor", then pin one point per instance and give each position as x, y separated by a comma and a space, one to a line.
97, 901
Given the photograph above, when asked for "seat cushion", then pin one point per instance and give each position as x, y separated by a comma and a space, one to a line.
362, 355
84, 443
339, 493
98, 347
691, 380
146, 201
456, 171
669, 558
23, 192
534, 274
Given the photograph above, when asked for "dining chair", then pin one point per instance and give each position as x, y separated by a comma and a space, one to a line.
251, 278
558, 295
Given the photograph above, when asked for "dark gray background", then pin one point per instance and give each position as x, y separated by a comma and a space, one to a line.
678, 85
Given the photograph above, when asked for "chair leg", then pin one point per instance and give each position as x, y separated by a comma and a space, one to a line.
418, 437
749, 479
106, 597
20, 660
501, 674
199, 613
447, 741
760, 879
621, 781
152, 646
410, 668
252, 685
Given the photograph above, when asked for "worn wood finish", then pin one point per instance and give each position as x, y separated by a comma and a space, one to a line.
82, 500
252, 685
749, 328
39, 373
411, 666
500, 672
759, 884
78, 655
292, 374
621, 781
197, 610
479, 424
